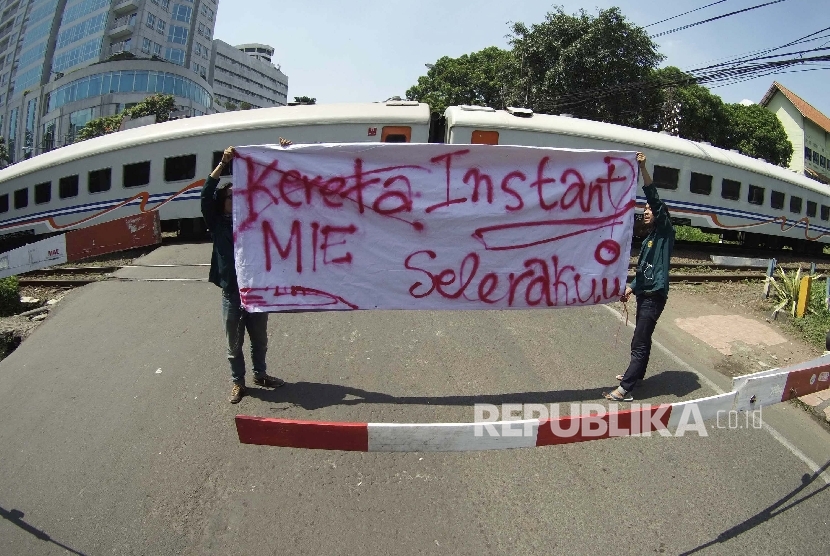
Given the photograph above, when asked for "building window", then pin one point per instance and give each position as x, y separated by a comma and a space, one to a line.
21, 198
146, 45
182, 13
177, 34
756, 195
665, 177
175, 55
151, 21
100, 180
157, 49
700, 184
68, 187
160, 26
776, 200
136, 175
811, 209
180, 168
43, 193
730, 189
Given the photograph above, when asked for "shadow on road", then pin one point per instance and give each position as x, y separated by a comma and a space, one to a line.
15, 517
314, 395
770, 512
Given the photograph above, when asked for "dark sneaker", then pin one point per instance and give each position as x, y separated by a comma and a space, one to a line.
237, 393
268, 381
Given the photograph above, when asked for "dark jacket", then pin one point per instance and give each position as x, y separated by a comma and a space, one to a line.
655, 253
222, 265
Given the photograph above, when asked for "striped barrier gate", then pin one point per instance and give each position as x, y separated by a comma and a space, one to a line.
123, 234
749, 393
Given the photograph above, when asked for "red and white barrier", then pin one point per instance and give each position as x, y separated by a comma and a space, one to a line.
750, 392
122, 234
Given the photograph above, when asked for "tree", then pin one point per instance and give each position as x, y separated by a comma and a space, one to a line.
698, 114
231, 106
305, 100
757, 132
159, 105
245, 105
4, 152
483, 78
585, 66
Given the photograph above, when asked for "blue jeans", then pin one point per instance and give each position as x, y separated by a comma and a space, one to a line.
649, 309
237, 320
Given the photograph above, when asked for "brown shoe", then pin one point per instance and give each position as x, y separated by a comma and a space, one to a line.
268, 381
237, 393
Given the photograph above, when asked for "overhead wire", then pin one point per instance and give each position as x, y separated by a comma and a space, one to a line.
711, 19
684, 13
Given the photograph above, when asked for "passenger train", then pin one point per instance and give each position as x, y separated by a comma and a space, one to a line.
161, 167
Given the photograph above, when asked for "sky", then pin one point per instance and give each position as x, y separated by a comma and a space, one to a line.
368, 50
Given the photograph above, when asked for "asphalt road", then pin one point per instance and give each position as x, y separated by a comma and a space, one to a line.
116, 438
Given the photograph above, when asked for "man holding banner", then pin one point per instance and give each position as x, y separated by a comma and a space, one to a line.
217, 208
650, 285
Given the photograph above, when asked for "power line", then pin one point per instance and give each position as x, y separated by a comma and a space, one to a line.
685, 13
714, 19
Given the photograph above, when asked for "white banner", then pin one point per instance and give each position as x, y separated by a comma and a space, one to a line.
42, 254
431, 226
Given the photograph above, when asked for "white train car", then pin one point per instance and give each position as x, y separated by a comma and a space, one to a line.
162, 166
710, 188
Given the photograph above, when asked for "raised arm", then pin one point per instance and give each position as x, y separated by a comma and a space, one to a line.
208, 202
658, 207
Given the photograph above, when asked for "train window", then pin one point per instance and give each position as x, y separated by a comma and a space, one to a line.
68, 187
730, 189
4, 203
756, 195
825, 212
795, 204
217, 158
21, 198
665, 177
700, 184
822, 162
136, 175
776, 200
808, 153
43, 193
811, 209
100, 180
485, 137
396, 134
815, 157
178, 168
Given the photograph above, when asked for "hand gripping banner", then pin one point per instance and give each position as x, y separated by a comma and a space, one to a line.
431, 226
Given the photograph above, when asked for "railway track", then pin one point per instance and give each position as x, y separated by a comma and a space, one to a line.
690, 272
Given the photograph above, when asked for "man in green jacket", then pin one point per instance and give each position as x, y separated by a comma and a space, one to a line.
217, 209
650, 285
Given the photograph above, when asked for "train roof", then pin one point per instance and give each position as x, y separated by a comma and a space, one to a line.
394, 112
472, 116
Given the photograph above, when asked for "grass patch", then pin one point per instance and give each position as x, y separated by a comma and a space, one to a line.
687, 233
816, 323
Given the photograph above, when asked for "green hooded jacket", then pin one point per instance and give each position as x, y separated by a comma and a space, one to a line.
652, 275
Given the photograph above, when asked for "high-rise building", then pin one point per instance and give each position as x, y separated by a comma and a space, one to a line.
245, 77
65, 62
